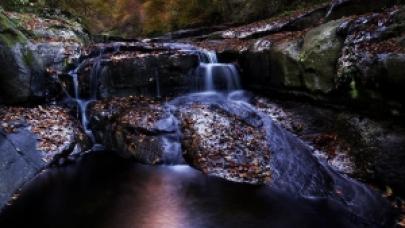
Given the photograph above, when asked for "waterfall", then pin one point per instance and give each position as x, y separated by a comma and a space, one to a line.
215, 76
82, 101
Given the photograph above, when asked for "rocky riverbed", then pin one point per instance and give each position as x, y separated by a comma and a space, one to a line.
324, 105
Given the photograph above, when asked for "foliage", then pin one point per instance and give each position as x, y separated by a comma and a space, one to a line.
148, 17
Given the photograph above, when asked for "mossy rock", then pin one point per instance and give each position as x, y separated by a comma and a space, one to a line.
321, 50
9, 34
286, 69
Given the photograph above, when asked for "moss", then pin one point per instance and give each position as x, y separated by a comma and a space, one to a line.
9, 35
29, 58
354, 93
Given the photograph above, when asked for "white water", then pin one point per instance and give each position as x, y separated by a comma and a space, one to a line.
83, 102
216, 76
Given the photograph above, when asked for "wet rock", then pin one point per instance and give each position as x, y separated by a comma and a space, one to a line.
381, 151
19, 162
296, 20
285, 63
342, 8
21, 75
137, 70
358, 146
135, 127
194, 32
368, 67
321, 50
158, 75
223, 145
32, 139
31, 47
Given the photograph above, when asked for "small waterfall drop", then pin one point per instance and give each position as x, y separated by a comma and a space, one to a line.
83, 101
214, 76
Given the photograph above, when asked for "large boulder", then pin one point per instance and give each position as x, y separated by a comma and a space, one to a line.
31, 47
136, 127
32, 139
371, 59
320, 53
135, 69
21, 75
154, 74
221, 144
285, 62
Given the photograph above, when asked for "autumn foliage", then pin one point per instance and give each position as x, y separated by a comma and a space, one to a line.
153, 17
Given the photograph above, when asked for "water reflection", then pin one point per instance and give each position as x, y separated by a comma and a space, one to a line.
103, 190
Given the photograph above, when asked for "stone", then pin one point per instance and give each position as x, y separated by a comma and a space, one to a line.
222, 145
342, 8
136, 127
19, 162
51, 46
285, 64
320, 52
31, 139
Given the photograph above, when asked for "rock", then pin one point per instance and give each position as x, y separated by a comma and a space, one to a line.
222, 145
342, 8
19, 162
32, 139
296, 20
368, 67
361, 147
321, 50
136, 127
380, 151
32, 47
193, 32
21, 75
286, 70
131, 69
148, 74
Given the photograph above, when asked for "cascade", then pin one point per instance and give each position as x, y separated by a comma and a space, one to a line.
83, 102
214, 76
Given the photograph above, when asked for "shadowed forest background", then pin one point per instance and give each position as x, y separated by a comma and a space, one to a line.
153, 17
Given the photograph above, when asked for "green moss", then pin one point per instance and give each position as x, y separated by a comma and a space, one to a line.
9, 35
354, 93
29, 58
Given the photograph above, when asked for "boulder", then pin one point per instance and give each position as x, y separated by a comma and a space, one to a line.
19, 162
220, 144
29, 52
136, 127
32, 139
321, 50
157, 74
286, 70
21, 75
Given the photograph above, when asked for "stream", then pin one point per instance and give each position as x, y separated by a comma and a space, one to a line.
104, 190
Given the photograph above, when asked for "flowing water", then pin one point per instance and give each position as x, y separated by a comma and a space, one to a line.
102, 190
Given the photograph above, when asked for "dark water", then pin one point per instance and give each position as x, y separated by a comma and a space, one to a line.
103, 190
